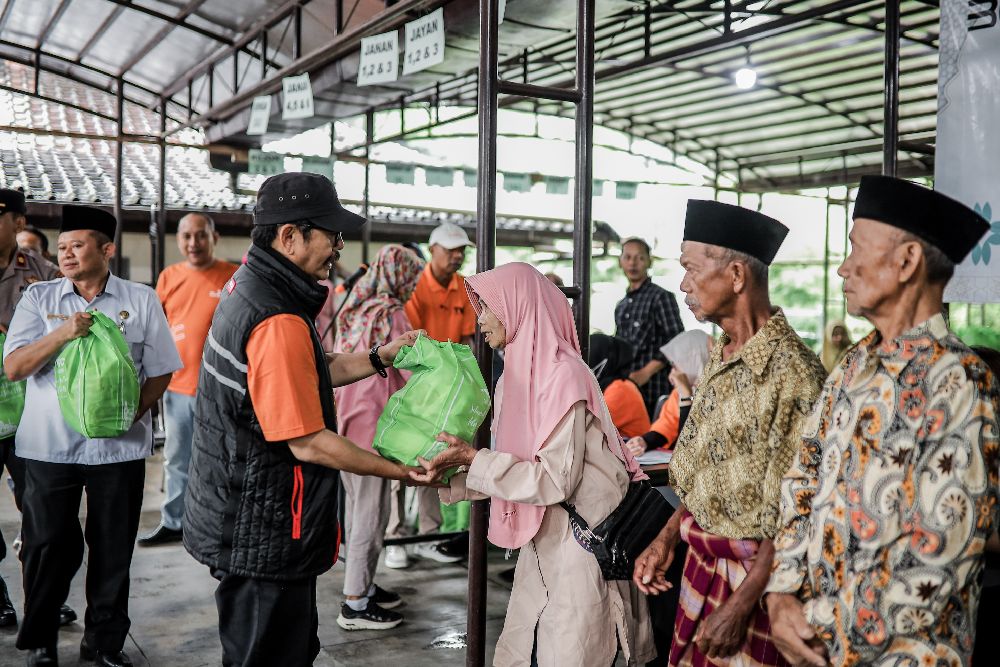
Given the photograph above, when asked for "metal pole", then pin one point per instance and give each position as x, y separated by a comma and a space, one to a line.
847, 241
826, 267
158, 231
890, 134
583, 205
116, 262
366, 231
486, 207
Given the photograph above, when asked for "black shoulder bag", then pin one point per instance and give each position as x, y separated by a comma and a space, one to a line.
618, 540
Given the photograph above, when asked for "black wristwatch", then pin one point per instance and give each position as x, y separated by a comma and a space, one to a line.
377, 361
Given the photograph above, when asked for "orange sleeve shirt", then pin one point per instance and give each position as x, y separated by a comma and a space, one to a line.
445, 313
282, 378
668, 422
189, 297
627, 408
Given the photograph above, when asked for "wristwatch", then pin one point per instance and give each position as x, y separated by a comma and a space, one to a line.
377, 361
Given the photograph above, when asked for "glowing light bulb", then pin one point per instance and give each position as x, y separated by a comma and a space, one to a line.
745, 78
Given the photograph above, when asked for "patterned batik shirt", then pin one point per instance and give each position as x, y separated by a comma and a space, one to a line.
648, 318
744, 428
887, 508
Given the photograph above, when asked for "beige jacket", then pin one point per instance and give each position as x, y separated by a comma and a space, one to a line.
558, 589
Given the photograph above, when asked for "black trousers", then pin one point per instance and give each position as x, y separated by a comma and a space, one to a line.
263, 623
15, 466
52, 549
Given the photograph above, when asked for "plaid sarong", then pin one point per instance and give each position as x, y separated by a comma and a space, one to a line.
715, 567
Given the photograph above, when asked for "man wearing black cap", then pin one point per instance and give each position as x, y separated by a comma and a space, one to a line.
261, 504
888, 506
18, 269
60, 463
740, 436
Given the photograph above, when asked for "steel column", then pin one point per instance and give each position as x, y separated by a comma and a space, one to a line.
826, 268
584, 199
119, 168
486, 208
366, 231
890, 133
158, 231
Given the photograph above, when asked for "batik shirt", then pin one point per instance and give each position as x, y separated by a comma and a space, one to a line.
744, 428
887, 508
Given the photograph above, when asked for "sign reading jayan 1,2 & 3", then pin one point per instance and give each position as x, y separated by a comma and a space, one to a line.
424, 42
967, 155
296, 97
379, 59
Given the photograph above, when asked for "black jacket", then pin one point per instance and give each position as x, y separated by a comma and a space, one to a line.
253, 509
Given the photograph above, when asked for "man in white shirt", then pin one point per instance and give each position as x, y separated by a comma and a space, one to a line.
60, 463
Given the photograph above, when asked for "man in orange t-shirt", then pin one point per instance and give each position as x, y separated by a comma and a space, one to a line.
189, 291
440, 306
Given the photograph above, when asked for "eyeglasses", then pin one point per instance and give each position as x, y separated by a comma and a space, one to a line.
338, 237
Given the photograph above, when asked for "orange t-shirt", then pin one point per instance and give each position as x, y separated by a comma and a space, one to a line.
282, 378
667, 423
189, 297
627, 408
445, 313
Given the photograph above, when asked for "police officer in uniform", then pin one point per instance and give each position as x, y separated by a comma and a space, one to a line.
18, 269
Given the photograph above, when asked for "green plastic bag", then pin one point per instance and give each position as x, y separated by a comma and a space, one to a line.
96, 381
11, 399
446, 392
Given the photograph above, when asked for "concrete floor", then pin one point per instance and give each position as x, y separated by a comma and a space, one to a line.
174, 621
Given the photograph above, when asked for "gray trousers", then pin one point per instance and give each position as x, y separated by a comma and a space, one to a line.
428, 507
366, 515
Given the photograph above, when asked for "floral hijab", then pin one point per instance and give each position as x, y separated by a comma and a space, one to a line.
366, 318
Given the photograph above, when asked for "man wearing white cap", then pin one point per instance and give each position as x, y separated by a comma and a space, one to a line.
440, 306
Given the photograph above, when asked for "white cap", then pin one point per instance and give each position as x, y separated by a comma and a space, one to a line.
449, 236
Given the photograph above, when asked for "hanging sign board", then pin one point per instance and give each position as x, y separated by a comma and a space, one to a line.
260, 114
318, 165
967, 156
379, 59
296, 97
424, 42
625, 190
265, 164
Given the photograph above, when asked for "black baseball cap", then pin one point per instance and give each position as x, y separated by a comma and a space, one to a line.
12, 201
303, 197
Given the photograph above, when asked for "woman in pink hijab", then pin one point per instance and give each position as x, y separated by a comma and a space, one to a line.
554, 442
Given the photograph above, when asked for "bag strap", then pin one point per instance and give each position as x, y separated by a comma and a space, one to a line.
580, 522
574, 515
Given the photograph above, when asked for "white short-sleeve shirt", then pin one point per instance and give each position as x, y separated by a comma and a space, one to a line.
43, 434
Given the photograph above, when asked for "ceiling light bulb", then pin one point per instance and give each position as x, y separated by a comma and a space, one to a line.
745, 78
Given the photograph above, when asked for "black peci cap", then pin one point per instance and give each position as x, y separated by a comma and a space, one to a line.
734, 227
87, 217
12, 201
946, 224
303, 197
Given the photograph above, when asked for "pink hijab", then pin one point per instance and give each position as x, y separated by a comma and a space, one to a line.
543, 377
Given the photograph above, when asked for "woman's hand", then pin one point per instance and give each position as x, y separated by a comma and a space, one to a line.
636, 445
387, 353
458, 453
680, 381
